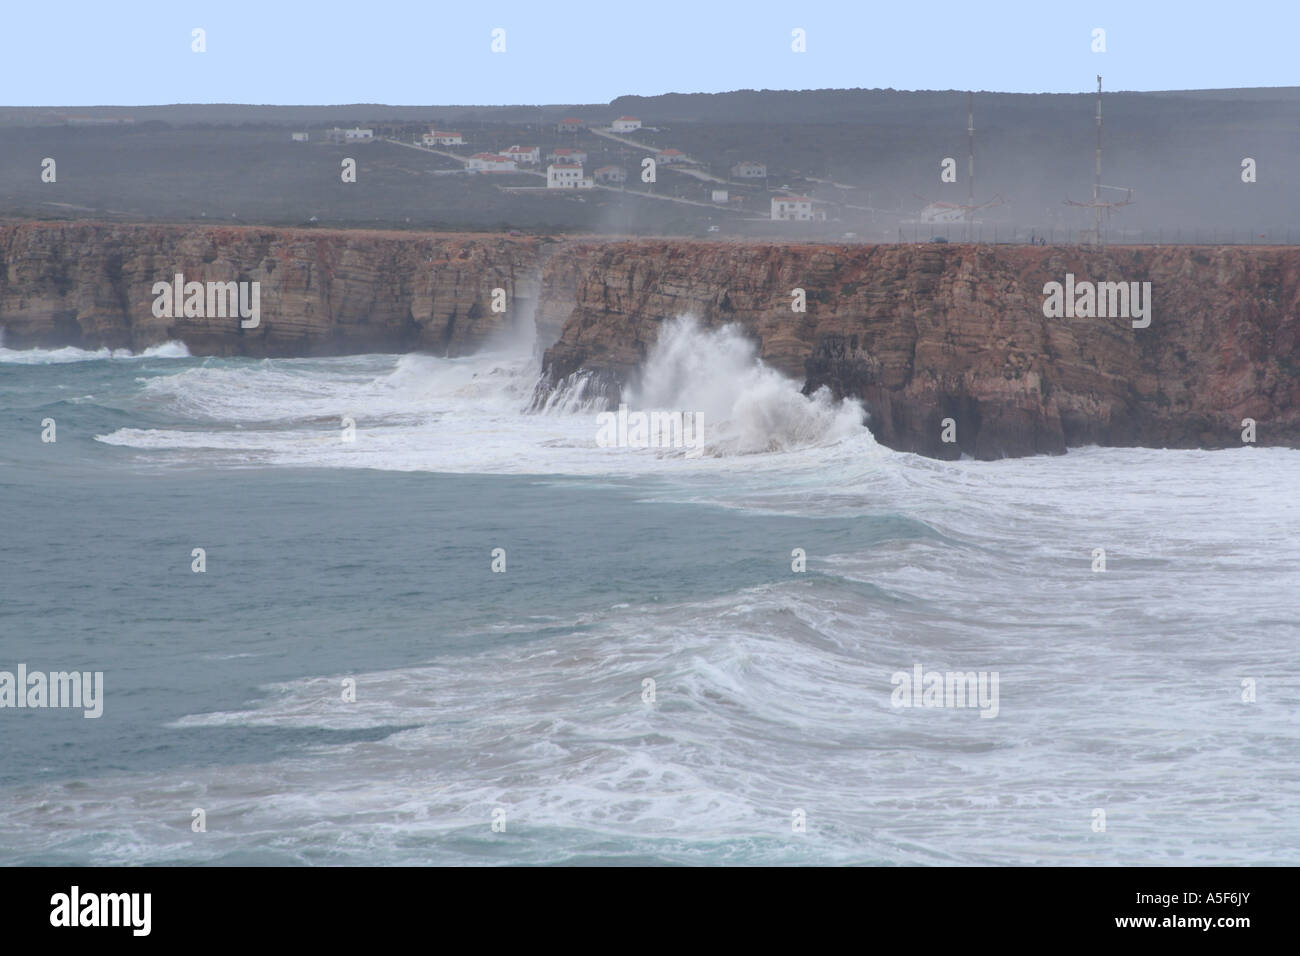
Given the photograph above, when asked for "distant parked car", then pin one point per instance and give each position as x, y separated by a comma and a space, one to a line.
714, 229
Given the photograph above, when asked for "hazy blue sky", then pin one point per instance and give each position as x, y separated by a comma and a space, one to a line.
129, 52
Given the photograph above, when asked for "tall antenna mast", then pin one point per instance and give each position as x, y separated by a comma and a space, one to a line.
1097, 205
954, 212
1096, 186
970, 172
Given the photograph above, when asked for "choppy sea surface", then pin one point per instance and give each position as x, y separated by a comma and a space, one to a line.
1145, 714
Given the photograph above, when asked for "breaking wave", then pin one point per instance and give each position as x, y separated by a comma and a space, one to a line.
748, 407
471, 414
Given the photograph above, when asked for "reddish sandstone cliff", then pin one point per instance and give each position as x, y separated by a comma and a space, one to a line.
927, 332
322, 291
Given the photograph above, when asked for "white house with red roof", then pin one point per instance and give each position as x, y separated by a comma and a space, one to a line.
670, 156
524, 155
625, 124
792, 208
490, 163
438, 137
565, 154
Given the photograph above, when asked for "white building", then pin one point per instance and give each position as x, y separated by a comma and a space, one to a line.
625, 124
566, 176
441, 138
565, 154
339, 135
524, 155
748, 169
670, 156
490, 163
611, 174
298, 137
354, 135
797, 208
720, 195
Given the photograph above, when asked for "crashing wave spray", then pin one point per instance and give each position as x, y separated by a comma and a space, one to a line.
749, 406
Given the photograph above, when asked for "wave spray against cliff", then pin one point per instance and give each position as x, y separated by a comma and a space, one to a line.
417, 412
749, 407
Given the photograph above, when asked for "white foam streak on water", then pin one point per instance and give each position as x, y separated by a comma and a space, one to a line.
71, 354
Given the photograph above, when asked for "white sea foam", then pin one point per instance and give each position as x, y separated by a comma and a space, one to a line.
467, 415
747, 406
71, 354
776, 697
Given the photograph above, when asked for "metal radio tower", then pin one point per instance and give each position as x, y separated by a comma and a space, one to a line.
1097, 204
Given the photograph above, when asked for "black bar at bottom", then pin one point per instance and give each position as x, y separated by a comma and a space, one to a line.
945, 906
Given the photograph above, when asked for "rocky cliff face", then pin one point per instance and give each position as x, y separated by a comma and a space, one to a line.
920, 333
322, 292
